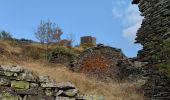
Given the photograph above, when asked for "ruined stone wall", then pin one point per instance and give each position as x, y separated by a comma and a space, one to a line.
154, 35
104, 62
17, 83
88, 40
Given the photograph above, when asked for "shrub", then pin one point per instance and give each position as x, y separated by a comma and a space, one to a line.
63, 51
87, 45
5, 35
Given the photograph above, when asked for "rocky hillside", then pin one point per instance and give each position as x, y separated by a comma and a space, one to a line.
22, 54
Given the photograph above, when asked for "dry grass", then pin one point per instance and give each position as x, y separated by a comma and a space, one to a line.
6, 45
91, 86
111, 91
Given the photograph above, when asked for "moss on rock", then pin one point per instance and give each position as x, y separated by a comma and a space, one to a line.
20, 84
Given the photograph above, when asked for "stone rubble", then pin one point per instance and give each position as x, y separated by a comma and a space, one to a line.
104, 62
17, 83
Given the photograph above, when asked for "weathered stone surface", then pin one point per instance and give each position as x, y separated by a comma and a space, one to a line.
27, 77
8, 96
20, 84
6, 73
38, 97
28, 91
89, 97
6, 89
44, 79
154, 35
65, 85
4, 82
49, 85
104, 62
70, 92
11, 68
49, 92
34, 85
64, 98
60, 92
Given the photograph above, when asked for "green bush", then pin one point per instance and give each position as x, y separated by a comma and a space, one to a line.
87, 45
63, 51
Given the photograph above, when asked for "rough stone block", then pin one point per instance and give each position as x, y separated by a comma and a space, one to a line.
38, 97
49, 85
8, 73
20, 84
8, 96
12, 68
71, 92
49, 92
4, 81
60, 92
28, 91
65, 85
34, 85
89, 97
27, 77
44, 79
64, 98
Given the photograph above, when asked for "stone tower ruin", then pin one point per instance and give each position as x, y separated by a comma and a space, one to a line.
88, 40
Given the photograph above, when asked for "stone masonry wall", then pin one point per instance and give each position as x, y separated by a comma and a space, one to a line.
104, 62
154, 35
17, 83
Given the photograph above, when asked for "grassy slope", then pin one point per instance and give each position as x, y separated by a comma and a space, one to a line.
111, 91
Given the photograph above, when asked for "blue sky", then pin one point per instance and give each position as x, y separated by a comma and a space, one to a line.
112, 22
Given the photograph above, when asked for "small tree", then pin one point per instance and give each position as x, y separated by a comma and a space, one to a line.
5, 35
48, 33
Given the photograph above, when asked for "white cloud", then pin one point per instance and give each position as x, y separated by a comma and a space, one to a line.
130, 32
117, 14
130, 19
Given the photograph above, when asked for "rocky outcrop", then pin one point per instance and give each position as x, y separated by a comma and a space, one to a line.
154, 35
104, 62
17, 83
